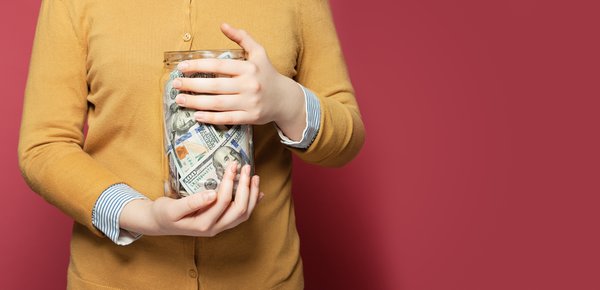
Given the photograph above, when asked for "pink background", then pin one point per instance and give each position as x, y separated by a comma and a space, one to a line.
481, 163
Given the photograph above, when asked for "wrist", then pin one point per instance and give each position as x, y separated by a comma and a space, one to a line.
137, 216
291, 117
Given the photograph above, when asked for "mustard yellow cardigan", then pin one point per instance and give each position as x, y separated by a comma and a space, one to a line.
100, 62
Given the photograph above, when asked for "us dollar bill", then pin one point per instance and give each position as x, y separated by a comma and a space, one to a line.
235, 144
193, 146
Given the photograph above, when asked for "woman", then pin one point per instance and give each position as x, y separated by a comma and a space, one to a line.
99, 63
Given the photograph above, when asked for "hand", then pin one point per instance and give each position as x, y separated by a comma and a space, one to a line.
203, 214
254, 94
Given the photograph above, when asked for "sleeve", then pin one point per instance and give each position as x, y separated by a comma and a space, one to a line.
313, 120
51, 157
107, 210
321, 68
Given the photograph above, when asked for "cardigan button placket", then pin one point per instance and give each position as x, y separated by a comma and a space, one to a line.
187, 35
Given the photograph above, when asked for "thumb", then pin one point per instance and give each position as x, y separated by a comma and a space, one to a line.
193, 203
241, 37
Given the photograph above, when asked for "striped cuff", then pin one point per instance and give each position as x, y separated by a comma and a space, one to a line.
107, 210
313, 121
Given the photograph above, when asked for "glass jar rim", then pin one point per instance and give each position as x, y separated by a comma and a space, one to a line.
172, 58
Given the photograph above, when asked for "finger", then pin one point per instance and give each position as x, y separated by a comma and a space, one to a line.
224, 118
209, 102
237, 212
232, 67
254, 195
208, 85
242, 38
224, 195
242, 193
190, 204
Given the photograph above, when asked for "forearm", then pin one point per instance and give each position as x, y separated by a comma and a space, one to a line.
65, 176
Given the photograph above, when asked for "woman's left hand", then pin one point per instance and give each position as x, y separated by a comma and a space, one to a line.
254, 94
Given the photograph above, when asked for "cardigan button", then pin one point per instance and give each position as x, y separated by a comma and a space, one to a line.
187, 37
193, 273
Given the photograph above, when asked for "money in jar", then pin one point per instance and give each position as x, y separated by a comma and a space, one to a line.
198, 153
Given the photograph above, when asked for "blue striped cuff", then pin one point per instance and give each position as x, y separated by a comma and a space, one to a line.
106, 212
313, 121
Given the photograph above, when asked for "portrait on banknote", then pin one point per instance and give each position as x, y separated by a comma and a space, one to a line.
224, 155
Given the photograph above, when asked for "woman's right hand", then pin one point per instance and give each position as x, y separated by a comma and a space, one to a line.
203, 214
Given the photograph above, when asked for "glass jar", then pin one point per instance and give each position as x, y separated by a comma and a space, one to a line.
198, 153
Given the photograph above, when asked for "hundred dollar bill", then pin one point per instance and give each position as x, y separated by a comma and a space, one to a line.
193, 146
236, 145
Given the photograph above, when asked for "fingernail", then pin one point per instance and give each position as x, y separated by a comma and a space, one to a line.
209, 195
180, 100
176, 83
256, 180
197, 115
247, 169
182, 65
260, 196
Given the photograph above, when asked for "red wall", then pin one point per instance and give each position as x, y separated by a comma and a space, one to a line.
481, 163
